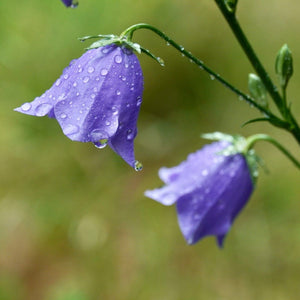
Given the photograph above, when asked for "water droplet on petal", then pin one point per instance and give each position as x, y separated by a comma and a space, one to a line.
130, 134
58, 82
138, 101
118, 92
104, 72
107, 123
118, 59
42, 109
66, 76
138, 166
70, 129
98, 134
90, 70
93, 96
115, 110
85, 79
75, 84
63, 116
26, 106
204, 172
101, 143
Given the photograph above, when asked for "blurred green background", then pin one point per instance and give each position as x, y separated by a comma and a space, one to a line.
74, 224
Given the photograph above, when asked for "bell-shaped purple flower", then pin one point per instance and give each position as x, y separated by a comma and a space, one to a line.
70, 3
97, 99
209, 190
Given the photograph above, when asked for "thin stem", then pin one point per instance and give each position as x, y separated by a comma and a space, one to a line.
272, 89
264, 137
129, 32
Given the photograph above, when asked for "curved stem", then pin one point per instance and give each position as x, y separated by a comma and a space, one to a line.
272, 89
129, 32
264, 137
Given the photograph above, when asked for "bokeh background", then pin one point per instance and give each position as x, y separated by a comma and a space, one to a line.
74, 223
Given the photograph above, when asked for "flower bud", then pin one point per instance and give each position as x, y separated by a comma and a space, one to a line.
257, 89
284, 65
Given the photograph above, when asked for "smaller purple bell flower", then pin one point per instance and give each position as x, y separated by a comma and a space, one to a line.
209, 189
97, 99
70, 3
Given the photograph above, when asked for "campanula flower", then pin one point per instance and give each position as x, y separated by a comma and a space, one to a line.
70, 3
209, 190
96, 99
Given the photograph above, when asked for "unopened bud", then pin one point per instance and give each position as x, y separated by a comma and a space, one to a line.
284, 65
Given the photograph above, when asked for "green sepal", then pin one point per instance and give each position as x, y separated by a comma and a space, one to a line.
107, 39
238, 144
284, 65
158, 59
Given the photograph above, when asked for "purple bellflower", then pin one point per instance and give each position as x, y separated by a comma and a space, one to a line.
70, 3
209, 189
97, 99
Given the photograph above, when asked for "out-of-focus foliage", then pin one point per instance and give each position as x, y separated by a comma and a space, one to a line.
74, 224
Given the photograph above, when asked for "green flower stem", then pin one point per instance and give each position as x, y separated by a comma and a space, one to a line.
272, 89
264, 137
128, 33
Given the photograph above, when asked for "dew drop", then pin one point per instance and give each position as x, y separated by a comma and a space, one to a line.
66, 76
123, 78
212, 77
138, 166
70, 129
97, 78
98, 134
63, 116
58, 82
26, 106
79, 70
114, 110
42, 109
90, 70
118, 59
130, 135
204, 172
95, 89
107, 123
75, 84
138, 101
104, 72
118, 92
85, 79
93, 96
101, 143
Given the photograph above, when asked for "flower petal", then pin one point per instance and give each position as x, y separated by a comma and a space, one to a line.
210, 210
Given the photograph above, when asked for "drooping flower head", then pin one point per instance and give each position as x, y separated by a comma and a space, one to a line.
97, 99
210, 188
70, 3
